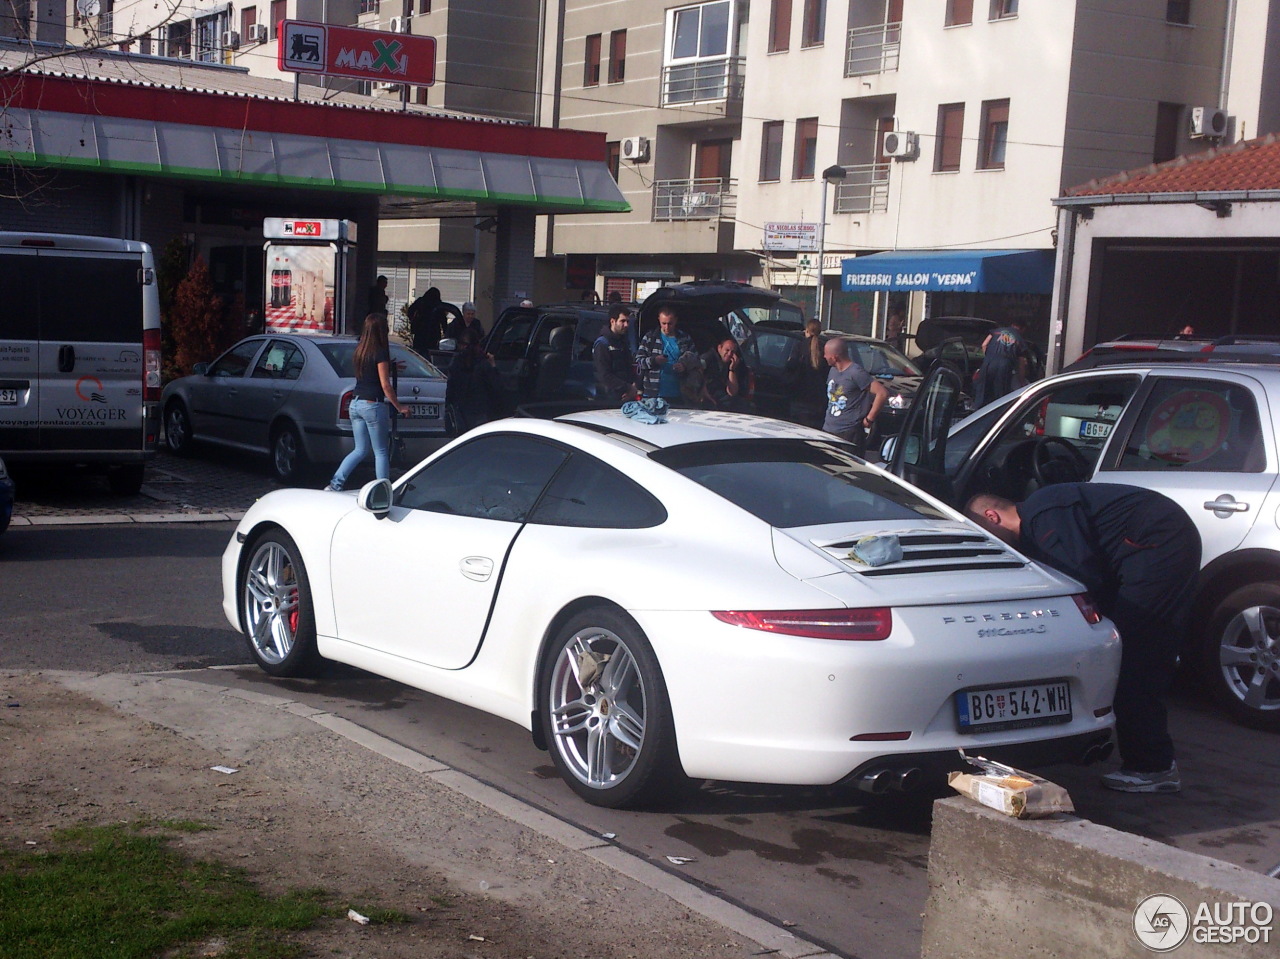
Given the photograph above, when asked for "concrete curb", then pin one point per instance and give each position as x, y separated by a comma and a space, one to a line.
145, 696
107, 519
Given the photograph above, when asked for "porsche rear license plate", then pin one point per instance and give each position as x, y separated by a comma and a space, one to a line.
424, 411
1013, 707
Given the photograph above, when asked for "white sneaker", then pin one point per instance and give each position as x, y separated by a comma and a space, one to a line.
1128, 781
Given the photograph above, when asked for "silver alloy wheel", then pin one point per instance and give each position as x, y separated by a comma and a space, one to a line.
1249, 656
176, 431
598, 707
285, 453
270, 602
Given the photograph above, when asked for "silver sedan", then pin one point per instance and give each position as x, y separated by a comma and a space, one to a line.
287, 395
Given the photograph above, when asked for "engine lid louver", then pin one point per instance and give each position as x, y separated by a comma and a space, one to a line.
928, 552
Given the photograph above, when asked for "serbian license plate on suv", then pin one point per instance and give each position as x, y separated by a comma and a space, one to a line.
1094, 430
424, 411
1013, 707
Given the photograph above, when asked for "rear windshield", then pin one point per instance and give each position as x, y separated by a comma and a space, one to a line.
791, 483
881, 360
341, 356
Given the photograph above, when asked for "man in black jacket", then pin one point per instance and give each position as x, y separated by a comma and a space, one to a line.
1138, 554
614, 364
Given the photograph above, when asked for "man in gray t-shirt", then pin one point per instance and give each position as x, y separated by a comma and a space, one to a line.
854, 396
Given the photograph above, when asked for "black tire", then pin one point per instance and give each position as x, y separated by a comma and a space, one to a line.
1239, 655
177, 428
288, 458
126, 480
630, 771
276, 611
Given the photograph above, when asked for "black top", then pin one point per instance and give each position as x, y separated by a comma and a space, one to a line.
368, 383
614, 365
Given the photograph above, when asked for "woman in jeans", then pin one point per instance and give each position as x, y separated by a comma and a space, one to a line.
371, 403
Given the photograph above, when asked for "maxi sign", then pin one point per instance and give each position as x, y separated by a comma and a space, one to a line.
306, 47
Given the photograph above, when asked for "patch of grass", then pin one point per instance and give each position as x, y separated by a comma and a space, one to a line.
116, 892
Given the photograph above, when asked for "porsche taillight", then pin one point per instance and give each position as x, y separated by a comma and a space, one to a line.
1090, 612
874, 623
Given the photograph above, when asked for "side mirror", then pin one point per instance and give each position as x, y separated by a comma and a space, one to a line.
449, 345
887, 448
375, 496
200, 369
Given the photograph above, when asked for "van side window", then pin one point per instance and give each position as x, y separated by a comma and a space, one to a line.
19, 319
111, 314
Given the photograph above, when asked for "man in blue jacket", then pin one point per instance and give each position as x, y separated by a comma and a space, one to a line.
1138, 554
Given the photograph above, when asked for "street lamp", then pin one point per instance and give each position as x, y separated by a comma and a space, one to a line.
832, 174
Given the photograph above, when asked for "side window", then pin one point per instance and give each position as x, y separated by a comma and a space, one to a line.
774, 348
590, 326
236, 360
19, 316
1080, 413
512, 339
116, 313
1196, 426
589, 493
279, 361
498, 476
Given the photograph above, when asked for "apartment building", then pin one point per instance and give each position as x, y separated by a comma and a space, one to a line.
952, 124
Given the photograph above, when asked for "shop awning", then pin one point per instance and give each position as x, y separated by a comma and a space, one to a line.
963, 271
86, 123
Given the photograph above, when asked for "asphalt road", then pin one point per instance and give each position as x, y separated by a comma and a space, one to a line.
851, 876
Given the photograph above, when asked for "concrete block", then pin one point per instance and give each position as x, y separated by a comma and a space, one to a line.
1069, 888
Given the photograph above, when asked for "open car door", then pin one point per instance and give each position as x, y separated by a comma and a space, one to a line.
920, 449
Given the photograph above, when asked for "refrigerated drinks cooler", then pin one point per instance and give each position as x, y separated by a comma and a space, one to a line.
307, 264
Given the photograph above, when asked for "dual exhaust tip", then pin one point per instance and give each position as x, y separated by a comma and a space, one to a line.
880, 781
1097, 752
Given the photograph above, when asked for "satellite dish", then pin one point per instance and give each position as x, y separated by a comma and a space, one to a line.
88, 8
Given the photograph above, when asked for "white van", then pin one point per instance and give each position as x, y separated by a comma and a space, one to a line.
79, 353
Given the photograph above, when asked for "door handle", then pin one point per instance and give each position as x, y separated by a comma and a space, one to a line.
478, 568
66, 358
1225, 505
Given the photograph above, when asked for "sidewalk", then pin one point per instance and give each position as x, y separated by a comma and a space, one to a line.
315, 800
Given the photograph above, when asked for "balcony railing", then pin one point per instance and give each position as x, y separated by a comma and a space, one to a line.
864, 189
720, 78
873, 49
705, 199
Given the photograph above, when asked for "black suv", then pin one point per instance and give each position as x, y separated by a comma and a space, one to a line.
543, 353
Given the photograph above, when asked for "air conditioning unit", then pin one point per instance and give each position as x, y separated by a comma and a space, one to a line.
258, 33
399, 25
901, 144
636, 149
1207, 122
230, 40
385, 85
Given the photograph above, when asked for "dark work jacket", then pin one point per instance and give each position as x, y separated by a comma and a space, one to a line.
614, 365
1114, 539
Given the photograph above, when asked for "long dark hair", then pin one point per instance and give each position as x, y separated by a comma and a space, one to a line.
373, 342
813, 332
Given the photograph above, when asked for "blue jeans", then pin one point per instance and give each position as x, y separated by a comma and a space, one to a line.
371, 427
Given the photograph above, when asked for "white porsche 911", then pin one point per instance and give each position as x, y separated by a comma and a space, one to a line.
680, 600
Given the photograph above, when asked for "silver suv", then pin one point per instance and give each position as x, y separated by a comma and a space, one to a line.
1203, 432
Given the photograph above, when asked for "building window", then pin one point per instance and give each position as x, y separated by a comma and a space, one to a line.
614, 158
1178, 11
248, 18
959, 12
995, 134
1003, 9
815, 22
806, 149
178, 40
771, 151
700, 32
617, 56
279, 11
780, 26
369, 6
591, 62
946, 158
1168, 121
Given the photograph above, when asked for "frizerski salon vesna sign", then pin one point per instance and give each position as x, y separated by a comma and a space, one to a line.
307, 47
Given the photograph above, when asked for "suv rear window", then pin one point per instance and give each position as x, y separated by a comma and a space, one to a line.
792, 483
